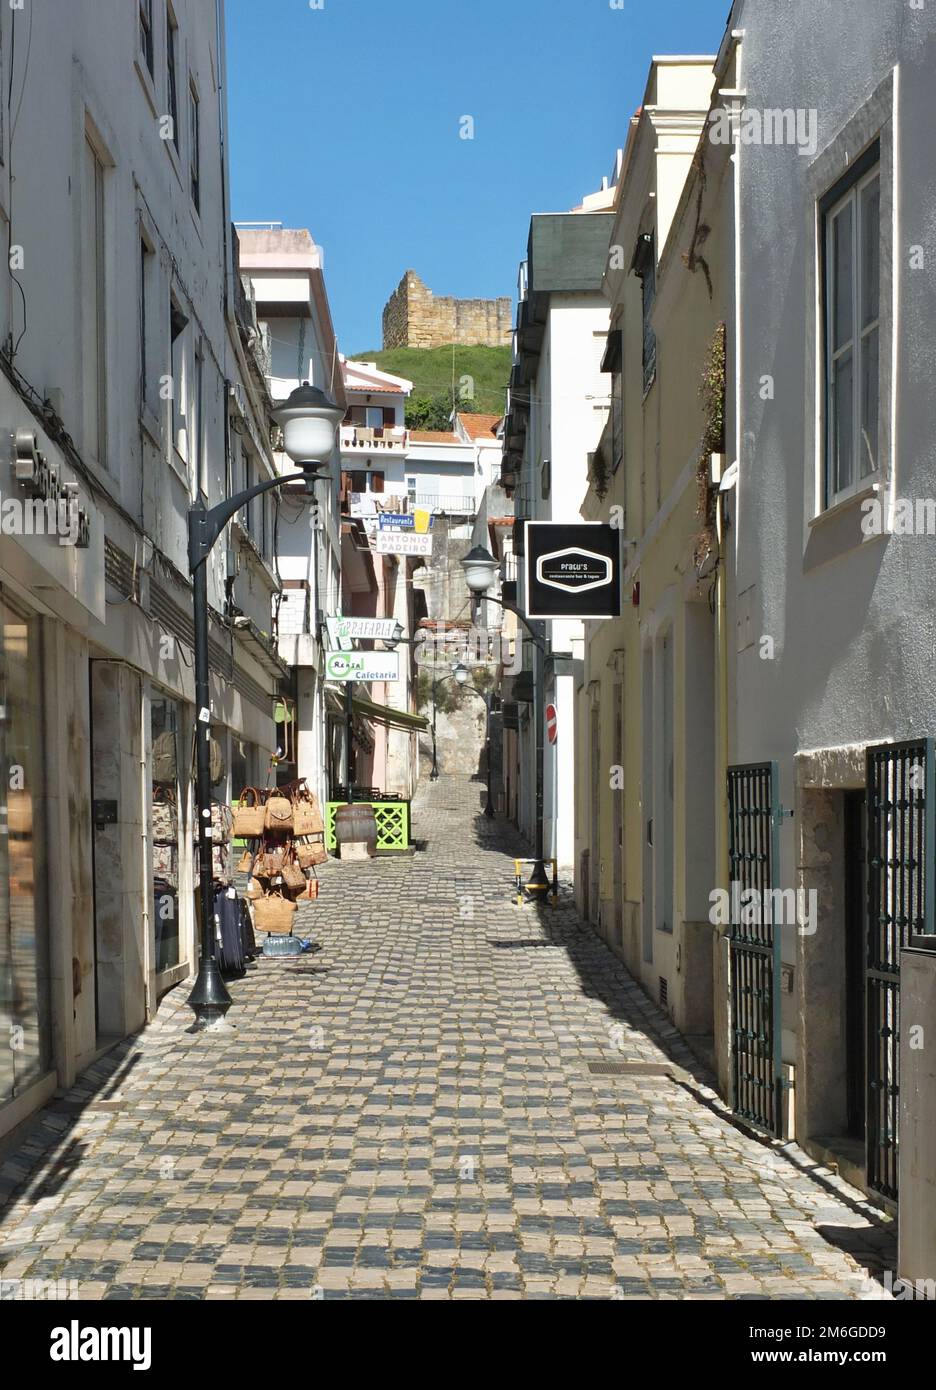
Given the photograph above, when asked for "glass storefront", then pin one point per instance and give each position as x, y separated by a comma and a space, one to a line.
164, 724
24, 973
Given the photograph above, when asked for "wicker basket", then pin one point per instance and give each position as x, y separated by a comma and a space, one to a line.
307, 816
293, 877
249, 817
274, 913
311, 855
278, 814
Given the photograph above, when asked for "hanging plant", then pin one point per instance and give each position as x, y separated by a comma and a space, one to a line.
712, 389
598, 474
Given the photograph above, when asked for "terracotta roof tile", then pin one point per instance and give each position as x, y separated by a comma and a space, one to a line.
477, 426
433, 437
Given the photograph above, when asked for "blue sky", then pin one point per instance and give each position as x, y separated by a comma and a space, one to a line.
345, 120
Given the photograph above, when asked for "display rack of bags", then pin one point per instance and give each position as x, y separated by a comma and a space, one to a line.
285, 833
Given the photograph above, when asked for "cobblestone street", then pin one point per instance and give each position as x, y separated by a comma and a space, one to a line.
409, 1111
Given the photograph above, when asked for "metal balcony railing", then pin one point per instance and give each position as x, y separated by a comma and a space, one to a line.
373, 440
456, 503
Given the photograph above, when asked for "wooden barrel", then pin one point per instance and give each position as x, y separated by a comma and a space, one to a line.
355, 825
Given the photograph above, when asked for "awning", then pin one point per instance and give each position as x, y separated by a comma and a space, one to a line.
379, 714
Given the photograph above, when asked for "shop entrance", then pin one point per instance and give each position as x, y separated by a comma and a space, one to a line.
117, 849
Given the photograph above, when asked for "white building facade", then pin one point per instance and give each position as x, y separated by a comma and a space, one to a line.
123, 374
285, 274
831, 555
557, 408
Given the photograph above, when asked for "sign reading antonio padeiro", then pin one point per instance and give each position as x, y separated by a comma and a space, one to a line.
573, 571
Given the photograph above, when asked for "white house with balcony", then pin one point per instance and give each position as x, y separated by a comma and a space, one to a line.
387, 467
283, 269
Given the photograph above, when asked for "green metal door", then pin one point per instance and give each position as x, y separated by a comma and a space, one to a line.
754, 946
901, 863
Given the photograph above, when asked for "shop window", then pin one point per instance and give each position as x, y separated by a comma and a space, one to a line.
165, 826
25, 1048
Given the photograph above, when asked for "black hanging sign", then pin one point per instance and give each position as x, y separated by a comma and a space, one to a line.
573, 571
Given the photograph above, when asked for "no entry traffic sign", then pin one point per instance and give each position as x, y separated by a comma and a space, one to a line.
551, 723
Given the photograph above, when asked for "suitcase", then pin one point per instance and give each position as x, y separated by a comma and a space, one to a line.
232, 938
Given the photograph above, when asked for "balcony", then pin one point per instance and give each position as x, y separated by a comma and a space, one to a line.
509, 572
455, 504
370, 440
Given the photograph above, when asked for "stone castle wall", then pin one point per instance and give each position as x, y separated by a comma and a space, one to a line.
414, 317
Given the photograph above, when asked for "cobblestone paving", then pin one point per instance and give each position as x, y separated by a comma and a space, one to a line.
409, 1112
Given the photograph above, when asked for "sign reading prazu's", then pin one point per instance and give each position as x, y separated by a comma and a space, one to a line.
572, 571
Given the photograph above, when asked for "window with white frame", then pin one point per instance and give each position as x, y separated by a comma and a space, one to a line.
146, 34
644, 266
178, 339
94, 305
151, 343
850, 227
194, 147
172, 88
199, 458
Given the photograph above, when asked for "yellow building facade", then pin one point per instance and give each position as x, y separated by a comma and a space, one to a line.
649, 715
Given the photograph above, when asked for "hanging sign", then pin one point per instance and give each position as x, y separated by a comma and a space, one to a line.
362, 666
403, 543
572, 571
342, 631
418, 520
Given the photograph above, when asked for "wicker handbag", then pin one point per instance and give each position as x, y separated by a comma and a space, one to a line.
274, 913
245, 863
307, 815
278, 814
293, 877
309, 855
269, 863
249, 816
254, 890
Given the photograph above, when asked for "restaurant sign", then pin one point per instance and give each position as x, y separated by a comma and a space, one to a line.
572, 571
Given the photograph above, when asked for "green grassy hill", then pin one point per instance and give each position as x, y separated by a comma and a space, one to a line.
430, 371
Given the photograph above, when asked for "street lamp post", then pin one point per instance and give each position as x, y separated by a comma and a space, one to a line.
309, 420
481, 570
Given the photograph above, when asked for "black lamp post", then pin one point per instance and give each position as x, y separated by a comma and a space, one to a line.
309, 420
481, 570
